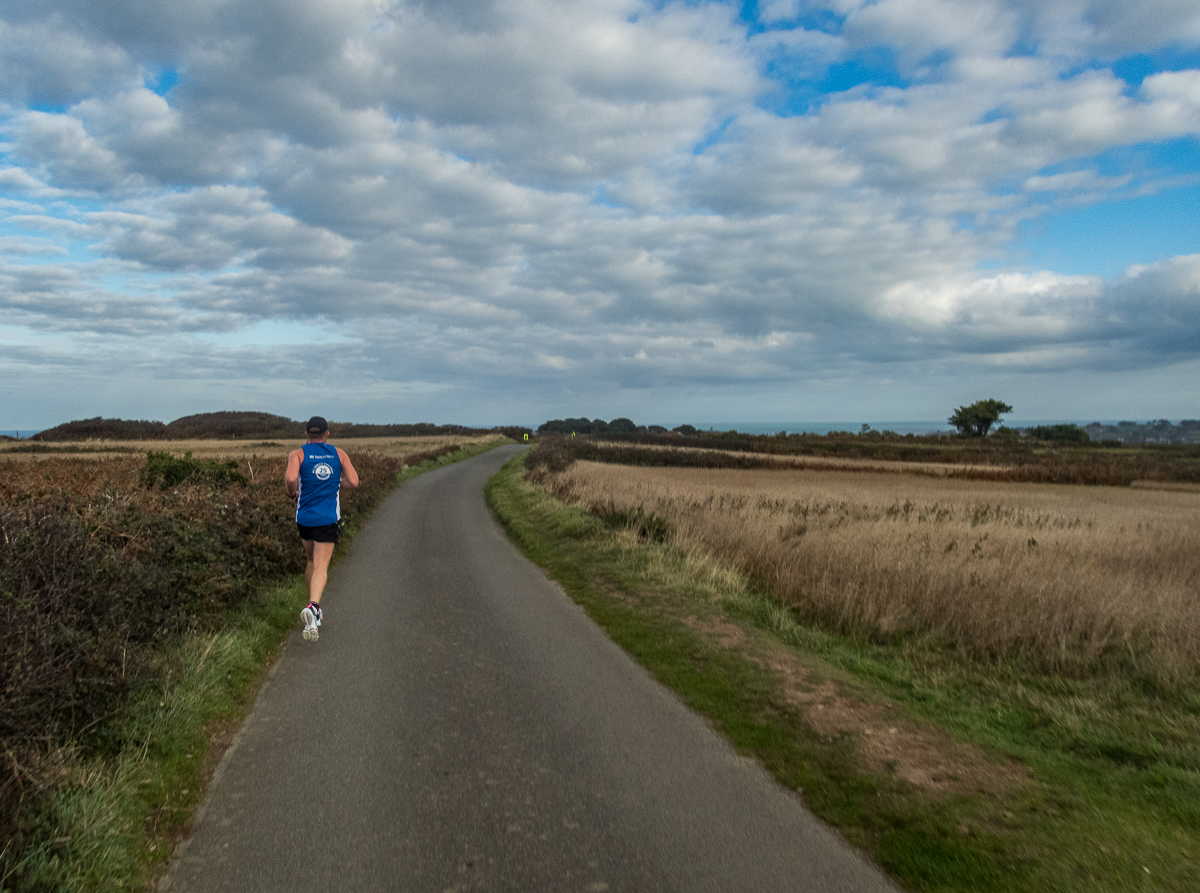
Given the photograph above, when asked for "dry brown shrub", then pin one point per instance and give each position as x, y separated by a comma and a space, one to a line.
1077, 579
264, 449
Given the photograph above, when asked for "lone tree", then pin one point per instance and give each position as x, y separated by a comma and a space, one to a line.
978, 418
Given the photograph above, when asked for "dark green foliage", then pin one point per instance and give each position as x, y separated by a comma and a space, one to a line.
573, 426
164, 470
978, 418
223, 425
1058, 433
228, 425
105, 429
257, 425
590, 426
622, 426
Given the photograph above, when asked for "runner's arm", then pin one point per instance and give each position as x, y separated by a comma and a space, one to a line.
349, 475
291, 477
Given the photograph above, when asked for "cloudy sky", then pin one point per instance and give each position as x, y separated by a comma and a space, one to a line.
484, 212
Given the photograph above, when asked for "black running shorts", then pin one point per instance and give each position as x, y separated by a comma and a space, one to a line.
322, 533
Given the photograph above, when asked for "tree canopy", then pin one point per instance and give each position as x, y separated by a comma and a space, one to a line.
585, 425
978, 418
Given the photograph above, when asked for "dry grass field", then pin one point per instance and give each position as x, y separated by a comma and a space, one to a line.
91, 468
231, 449
1078, 579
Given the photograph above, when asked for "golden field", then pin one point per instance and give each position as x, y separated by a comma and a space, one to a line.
90, 468
1075, 578
233, 449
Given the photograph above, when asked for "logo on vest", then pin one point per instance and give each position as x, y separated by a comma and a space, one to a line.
323, 472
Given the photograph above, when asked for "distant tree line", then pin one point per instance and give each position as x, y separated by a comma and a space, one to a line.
1057, 433
245, 425
978, 420
616, 426
589, 426
1160, 431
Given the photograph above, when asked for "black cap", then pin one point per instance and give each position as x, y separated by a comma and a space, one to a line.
316, 425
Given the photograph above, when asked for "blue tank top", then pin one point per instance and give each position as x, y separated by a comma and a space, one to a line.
319, 502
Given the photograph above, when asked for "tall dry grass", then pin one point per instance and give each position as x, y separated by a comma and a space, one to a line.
1077, 579
401, 447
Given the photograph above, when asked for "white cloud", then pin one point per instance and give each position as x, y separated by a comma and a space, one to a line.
23, 247
45, 62
594, 187
918, 28
61, 152
1074, 181
214, 228
1112, 28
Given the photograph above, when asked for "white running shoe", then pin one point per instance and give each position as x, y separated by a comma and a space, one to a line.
312, 619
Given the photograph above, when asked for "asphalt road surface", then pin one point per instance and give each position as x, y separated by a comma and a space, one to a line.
462, 725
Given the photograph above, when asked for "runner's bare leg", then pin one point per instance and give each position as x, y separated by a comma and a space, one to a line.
316, 572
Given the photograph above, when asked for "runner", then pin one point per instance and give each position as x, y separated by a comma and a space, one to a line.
313, 479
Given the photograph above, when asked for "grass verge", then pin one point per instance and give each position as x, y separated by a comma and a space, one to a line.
1004, 779
111, 822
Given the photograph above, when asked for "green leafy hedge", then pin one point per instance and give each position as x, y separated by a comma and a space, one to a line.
164, 470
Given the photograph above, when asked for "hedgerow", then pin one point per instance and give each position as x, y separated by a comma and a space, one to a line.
97, 574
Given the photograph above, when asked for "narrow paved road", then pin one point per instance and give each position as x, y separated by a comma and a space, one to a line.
461, 725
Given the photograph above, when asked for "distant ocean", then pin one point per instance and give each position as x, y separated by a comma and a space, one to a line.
21, 435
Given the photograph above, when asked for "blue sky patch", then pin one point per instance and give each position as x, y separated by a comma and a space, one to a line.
1108, 237
165, 81
801, 93
1136, 68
